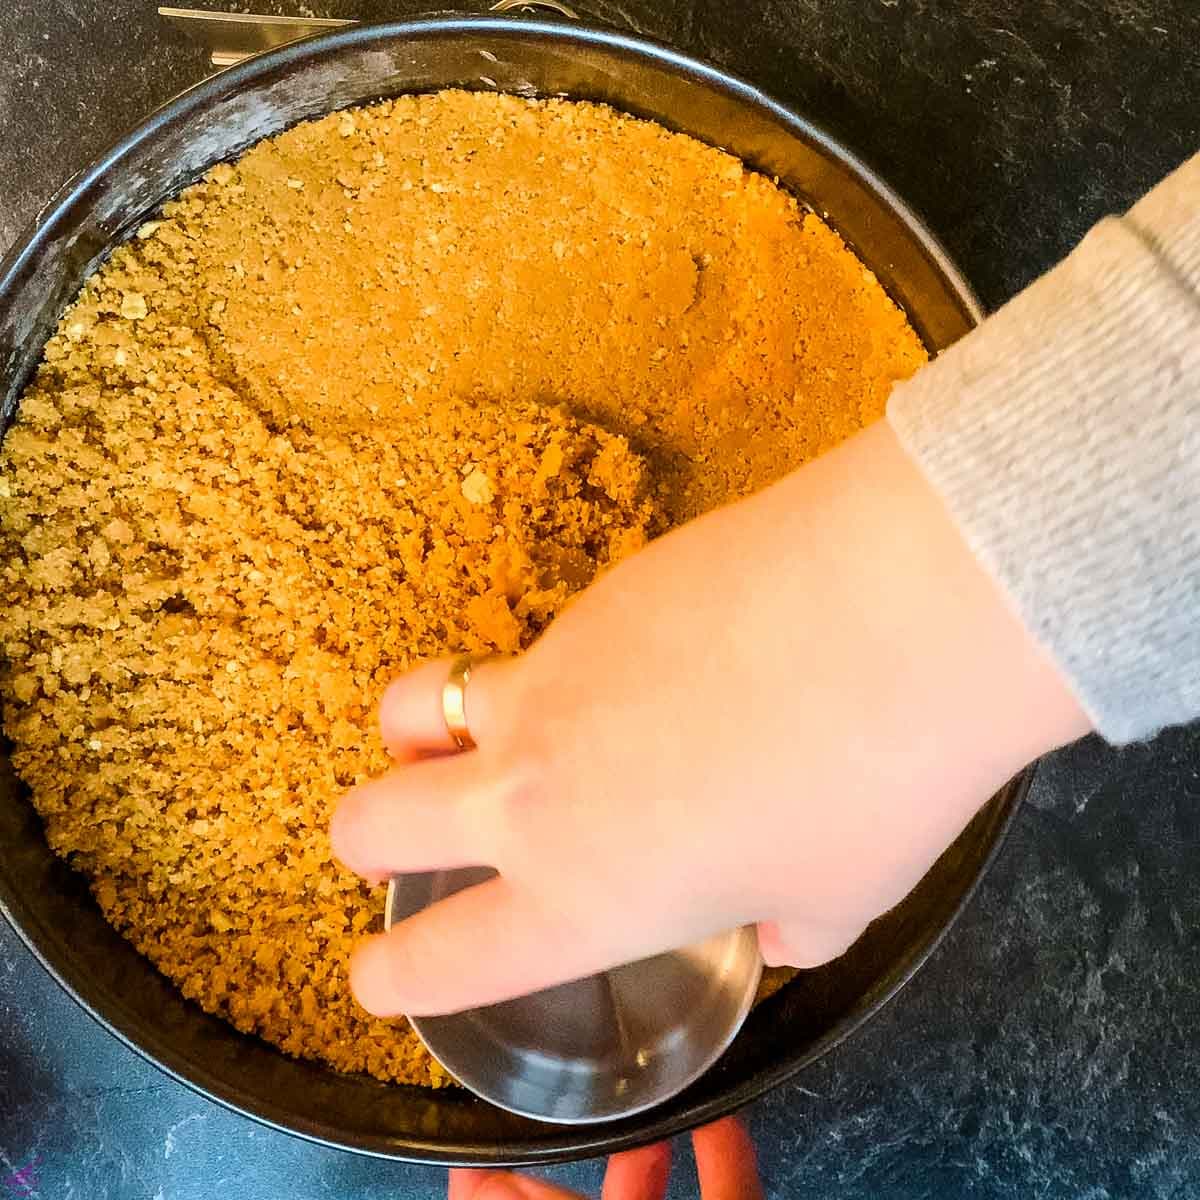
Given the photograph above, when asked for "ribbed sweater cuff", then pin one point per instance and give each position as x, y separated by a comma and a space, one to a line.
1064, 437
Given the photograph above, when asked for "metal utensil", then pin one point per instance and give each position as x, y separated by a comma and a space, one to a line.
232, 37
600, 1048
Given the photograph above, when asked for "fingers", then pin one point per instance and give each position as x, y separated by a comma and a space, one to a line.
483, 945
465, 1182
794, 944
725, 1162
420, 818
638, 1174
410, 713
635, 1175
468, 1184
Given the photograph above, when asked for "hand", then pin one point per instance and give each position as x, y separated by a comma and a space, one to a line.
780, 713
724, 1163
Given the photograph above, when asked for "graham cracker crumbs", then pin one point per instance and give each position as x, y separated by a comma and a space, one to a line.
395, 384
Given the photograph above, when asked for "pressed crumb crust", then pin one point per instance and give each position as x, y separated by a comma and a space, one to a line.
394, 385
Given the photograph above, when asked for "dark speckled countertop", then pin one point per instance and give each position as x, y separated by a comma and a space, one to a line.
1051, 1048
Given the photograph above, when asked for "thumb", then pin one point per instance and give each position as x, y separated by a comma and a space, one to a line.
483, 945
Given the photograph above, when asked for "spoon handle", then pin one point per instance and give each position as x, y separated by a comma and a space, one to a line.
231, 37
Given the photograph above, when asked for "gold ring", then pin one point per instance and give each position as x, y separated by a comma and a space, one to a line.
454, 702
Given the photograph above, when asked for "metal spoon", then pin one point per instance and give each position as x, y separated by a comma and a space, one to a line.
232, 37
603, 1047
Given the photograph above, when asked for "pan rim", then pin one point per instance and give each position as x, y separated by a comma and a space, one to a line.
565, 1143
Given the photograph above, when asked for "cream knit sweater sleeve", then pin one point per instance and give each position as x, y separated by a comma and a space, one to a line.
1064, 437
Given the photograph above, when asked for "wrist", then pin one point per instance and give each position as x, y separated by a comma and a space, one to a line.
955, 669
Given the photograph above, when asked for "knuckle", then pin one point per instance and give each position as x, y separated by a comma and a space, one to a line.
512, 818
531, 772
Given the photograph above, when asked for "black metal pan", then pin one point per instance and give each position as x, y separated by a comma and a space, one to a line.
50, 906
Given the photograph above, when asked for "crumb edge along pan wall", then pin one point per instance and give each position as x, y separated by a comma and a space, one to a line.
49, 905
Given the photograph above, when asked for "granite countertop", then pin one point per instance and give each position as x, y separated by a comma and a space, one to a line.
1049, 1049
